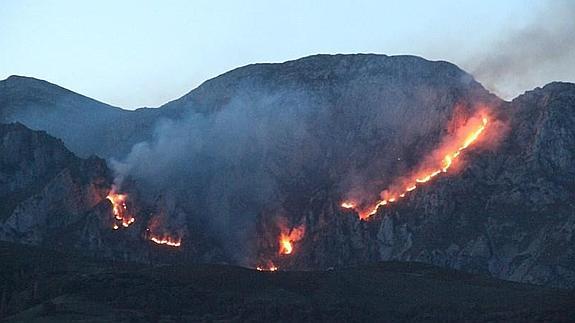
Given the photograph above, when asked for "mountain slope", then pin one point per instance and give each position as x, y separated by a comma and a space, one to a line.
86, 125
509, 212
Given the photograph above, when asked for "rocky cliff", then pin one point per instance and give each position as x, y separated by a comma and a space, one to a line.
44, 186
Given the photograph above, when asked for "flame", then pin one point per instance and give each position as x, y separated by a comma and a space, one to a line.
120, 209
467, 135
166, 240
286, 247
287, 239
268, 267
348, 205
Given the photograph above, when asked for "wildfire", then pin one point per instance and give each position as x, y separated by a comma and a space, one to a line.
464, 138
120, 209
166, 240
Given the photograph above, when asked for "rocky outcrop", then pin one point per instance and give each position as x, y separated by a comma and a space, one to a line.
44, 186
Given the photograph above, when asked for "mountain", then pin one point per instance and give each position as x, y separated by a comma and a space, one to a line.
39, 285
267, 150
266, 137
86, 125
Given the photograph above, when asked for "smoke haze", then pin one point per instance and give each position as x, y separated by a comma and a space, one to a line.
540, 52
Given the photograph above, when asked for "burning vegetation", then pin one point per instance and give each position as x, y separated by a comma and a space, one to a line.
288, 237
158, 234
123, 217
438, 162
122, 214
166, 240
278, 243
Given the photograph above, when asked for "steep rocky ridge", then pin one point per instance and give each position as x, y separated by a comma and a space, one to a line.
509, 212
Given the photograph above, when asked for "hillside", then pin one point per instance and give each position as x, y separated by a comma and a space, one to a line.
39, 285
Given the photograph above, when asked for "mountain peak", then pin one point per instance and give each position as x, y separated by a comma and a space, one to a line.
19, 80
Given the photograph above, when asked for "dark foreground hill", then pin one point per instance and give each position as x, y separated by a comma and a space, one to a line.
38, 285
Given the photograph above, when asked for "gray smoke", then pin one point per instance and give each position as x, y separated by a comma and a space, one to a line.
539, 53
216, 166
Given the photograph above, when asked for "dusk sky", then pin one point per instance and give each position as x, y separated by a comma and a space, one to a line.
145, 53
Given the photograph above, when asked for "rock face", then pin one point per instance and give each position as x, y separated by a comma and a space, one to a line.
282, 144
44, 186
509, 212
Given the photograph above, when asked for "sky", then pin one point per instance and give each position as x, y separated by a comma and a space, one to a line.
135, 54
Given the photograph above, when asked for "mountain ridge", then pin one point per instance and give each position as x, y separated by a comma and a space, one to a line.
272, 145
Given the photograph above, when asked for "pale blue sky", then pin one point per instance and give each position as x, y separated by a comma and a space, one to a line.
145, 53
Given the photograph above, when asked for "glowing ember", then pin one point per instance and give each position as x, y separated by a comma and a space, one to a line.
446, 155
271, 267
166, 240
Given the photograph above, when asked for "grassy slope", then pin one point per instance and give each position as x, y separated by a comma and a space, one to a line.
44, 286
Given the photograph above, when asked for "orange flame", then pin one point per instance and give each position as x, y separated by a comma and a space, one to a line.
465, 137
120, 209
348, 205
166, 240
287, 239
286, 247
